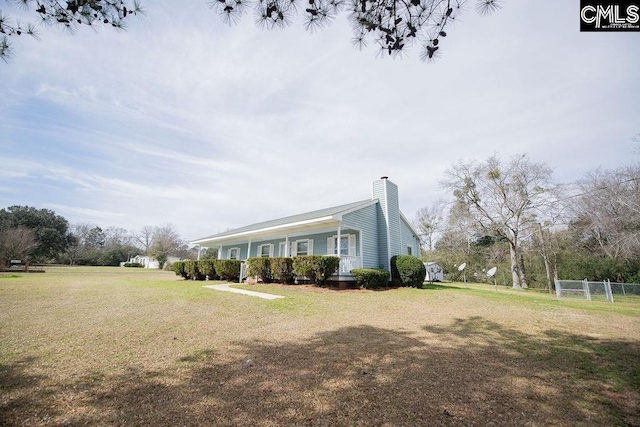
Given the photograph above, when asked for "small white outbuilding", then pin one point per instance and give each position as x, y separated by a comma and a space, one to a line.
434, 272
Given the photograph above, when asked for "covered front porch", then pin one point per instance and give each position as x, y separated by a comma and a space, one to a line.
341, 242
333, 240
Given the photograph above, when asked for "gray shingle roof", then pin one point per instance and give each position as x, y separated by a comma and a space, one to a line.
307, 216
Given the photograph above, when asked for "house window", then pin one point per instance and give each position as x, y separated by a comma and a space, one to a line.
302, 247
344, 245
298, 247
233, 253
347, 245
409, 250
264, 251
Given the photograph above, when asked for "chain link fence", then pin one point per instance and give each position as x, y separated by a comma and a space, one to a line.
603, 291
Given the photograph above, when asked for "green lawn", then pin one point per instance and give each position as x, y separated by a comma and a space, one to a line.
115, 346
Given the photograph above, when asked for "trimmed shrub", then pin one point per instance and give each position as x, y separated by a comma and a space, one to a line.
178, 268
407, 270
371, 278
325, 267
316, 268
282, 270
302, 268
133, 264
228, 269
260, 267
191, 268
208, 268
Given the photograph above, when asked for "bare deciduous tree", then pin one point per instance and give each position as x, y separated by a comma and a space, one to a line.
503, 199
429, 220
86, 243
144, 238
607, 211
17, 243
165, 242
117, 235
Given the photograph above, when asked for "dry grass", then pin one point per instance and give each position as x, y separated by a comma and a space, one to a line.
108, 346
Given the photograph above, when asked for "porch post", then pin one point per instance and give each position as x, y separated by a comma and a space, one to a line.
361, 249
248, 249
286, 245
338, 249
220, 252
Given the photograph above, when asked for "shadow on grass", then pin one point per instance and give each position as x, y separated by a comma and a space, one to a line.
439, 287
426, 285
472, 372
17, 380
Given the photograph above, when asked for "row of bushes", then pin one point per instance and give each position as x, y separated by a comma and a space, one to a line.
133, 264
406, 270
316, 268
212, 269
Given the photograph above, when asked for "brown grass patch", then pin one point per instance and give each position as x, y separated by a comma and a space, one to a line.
114, 347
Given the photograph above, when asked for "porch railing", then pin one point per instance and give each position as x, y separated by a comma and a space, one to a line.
244, 267
348, 263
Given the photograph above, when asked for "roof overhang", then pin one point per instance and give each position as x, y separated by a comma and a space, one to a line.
406, 221
271, 232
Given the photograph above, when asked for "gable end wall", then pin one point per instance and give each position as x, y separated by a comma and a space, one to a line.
409, 239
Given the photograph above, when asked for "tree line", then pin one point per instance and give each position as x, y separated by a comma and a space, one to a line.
509, 213
42, 236
505, 213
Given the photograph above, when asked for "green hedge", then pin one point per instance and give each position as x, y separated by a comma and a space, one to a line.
282, 270
228, 269
407, 270
260, 267
198, 270
133, 264
371, 278
193, 270
316, 268
208, 268
178, 268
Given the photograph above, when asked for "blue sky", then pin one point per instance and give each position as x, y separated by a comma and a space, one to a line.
182, 119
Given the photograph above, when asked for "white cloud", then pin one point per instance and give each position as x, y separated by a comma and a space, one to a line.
183, 119
80, 214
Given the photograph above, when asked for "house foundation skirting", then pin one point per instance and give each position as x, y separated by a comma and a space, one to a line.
341, 281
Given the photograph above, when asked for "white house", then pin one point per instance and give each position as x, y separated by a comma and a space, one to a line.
149, 262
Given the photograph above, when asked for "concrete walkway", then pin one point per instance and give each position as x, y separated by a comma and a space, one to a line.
227, 288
